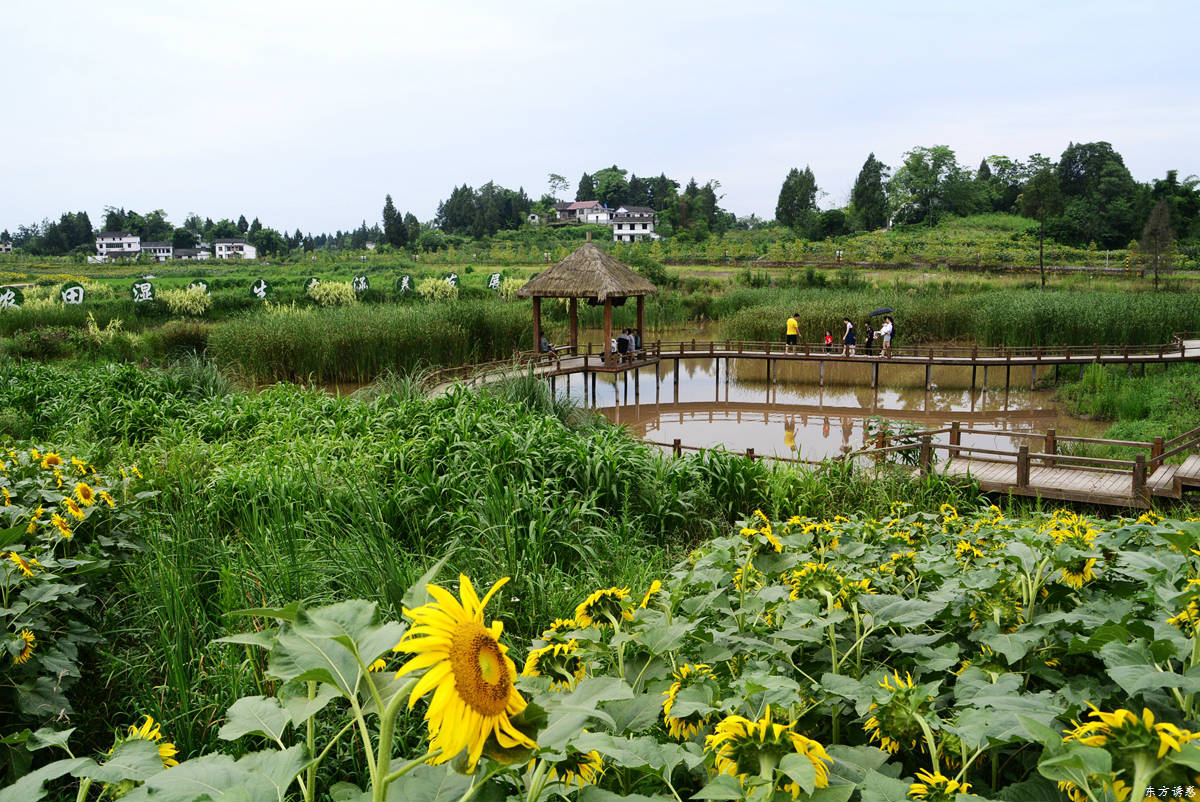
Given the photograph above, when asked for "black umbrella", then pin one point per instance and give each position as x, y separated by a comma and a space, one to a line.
884, 310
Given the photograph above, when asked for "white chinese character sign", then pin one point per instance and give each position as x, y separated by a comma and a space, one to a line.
260, 289
11, 298
360, 284
452, 279
404, 284
203, 285
494, 281
142, 292
71, 293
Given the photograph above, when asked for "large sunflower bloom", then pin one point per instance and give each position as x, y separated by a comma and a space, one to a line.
687, 726
558, 661
73, 508
28, 642
745, 748
25, 566
468, 671
603, 608
893, 722
50, 461
60, 523
85, 494
1078, 572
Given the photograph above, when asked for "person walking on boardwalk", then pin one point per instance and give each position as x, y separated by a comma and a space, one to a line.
828, 341
848, 338
868, 338
793, 333
885, 331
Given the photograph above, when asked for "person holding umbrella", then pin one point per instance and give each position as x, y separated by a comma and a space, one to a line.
885, 331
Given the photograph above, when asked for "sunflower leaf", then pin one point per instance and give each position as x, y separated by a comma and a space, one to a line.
799, 769
135, 759
255, 715
30, 788
721, 787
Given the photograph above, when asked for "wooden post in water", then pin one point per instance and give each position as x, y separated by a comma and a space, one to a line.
1051, 447
821, 373
641, 316
1023, 466
1007, 376
880, 443
985, 372
1033, 379
926, 455
677, 447
537, 325
573, 311
1140, 491
874, 375
605, 346
768, 369
928, 372
750, 454
974, 368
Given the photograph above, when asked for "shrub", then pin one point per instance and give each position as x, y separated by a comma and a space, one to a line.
436, 289
508, 288
183, 336
193, 302
332, 293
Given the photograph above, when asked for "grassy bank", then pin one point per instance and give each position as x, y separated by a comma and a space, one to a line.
1163, 403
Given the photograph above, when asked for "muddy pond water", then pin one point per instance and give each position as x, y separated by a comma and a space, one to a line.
794, 416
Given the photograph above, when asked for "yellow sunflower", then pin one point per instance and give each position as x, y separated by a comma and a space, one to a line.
26, 566
560, 625
581, 768
7, 496
50, 461
936, 787
468, 671
35, 520
106, 498
149, 731
1188, 619
60, 523
85, 494
603, 608
894, 719
745, 748
655, 588
1078, 572
690, 725
80, 465
73, 508
28, 642
558, 661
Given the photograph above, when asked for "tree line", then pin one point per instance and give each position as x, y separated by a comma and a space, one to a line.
1085, 196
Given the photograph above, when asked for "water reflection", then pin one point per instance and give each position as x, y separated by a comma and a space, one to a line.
709, 405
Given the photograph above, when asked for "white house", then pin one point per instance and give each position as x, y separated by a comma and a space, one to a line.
5, 247
583, 212
192, 254
118, 245
159, 251
235, 248
633, 224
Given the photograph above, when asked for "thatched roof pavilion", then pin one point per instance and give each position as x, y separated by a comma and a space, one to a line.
587, 272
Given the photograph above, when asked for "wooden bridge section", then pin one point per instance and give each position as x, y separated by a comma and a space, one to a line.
1049, 473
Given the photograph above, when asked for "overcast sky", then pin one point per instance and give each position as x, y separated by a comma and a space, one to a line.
307, 113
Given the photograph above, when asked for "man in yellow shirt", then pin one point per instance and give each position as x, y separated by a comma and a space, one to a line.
793, 333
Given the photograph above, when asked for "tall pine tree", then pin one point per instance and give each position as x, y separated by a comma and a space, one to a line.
868, 196
586, 190
797, 200
394, 233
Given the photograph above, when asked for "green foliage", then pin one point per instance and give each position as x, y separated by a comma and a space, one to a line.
868, 197
190, 301
436, 289
798, 201
1159, 404
332, 293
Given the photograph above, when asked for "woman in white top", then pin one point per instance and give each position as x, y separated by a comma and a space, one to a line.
886, 332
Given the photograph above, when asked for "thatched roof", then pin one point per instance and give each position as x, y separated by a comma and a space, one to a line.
587, 272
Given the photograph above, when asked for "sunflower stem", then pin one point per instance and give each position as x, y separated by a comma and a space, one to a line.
84, 787
405, 769
537, 782
387, 730
475, 786
310, 733
1144, 769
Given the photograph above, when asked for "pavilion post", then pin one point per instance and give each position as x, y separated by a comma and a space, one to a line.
607, 331
641, 314
572, 305
537, 324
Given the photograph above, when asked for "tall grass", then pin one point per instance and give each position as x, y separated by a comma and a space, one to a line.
359, 343
990, 317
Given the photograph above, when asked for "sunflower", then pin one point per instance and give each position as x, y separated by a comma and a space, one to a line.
80, 465
149, 731
745, 748
558, 661
7, 496
936, 787
35, 520
655, 588
105, 497
603, 608
1077, 572
748, 578
58, 480
50, 461
28, 642
1120, 791
560, 625
818, 581
901, 564
73, 508
687, 726
1002, 608
1188, 620
468, 671
966, 552
85, 494
764, 529
581, 768
1126, 732
60, 523
894, 721
26, 566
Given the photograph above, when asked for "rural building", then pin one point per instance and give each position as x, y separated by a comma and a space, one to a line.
158, 251
192, 254
633, 224
235, 248
5, 247
583, 212
118, 245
